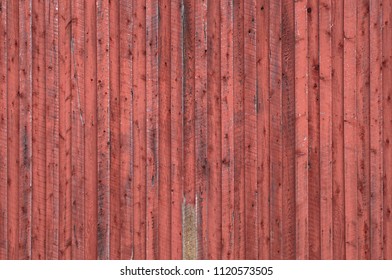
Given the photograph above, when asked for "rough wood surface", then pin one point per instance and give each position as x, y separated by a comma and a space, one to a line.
195, 129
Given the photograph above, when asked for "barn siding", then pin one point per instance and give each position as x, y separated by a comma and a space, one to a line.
186, 129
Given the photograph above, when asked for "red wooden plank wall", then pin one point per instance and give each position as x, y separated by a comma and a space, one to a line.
195, 129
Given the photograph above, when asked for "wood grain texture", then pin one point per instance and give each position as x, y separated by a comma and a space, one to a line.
25, 133
200, 119
238, 131
52, 130
227, 114
250, 135
126, 129
338, 170
77, 123
91, 218
65, 130
38, 244
376, 132
214, 161
176, 135
3, 132
186, 129
275, 123
302, 130
288, 130
188, 203
139, 129
13, 130
263, 127
350, 129
114, 125
326, 117
387, 123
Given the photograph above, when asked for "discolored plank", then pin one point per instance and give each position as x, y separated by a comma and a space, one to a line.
176, 117
288, 130
188, 202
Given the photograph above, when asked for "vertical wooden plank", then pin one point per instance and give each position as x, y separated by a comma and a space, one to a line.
363, 136
387, 122
288, 130
90, 141
3, 131
275, 95
164, 126
201, 181
238, 131
152, 108
78, 124
176, 81
52, 130
189, 239
38, 223
25, 131
263, 126
65, 129
350, 129
314, 129
250, 130
114, 68
126, 125
326, 117
139, 129
302, 130
227, 139
376, 131
13, 129
214, 149
103, 103
338, 195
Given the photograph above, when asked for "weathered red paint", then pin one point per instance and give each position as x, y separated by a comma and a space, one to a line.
184, 129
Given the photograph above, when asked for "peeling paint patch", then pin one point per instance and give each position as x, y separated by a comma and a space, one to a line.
189, 239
